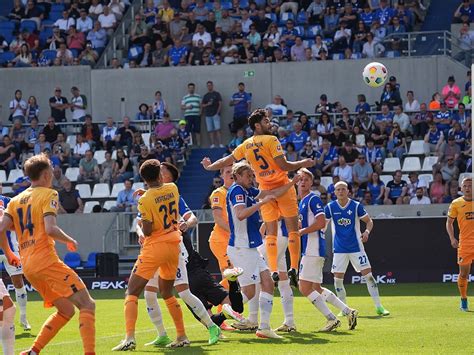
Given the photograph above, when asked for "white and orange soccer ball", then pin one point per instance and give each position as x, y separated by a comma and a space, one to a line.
375, 74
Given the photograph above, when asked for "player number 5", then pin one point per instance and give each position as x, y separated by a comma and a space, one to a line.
258, 157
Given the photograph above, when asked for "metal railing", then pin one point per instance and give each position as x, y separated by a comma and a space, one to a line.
119, 39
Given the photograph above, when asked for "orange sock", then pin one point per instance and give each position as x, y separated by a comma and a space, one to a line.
50, 328
272, 252
87, 330
462, 286
175, 311
225, 283
131, 314
294, 246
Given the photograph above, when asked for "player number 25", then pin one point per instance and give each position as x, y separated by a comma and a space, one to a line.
258, 157
168, 210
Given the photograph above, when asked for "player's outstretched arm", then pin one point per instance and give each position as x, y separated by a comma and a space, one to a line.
286, 165
279, 191
217, 165
189, 221
450, 230
52, 229
369, 225
242, 212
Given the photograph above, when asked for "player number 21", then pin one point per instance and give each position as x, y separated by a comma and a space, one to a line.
28, 224
362, 260
258, 157
168, 210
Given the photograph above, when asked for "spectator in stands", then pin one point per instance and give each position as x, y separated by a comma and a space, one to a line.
58, 179
362, 104
125, 200
308, 152
442, 119
24, 57
412, 104
62, 149
437, 188
88, 56
451, 93
451, 149
69, 199
390, 96
324, 127
17, 136
75, 40
373, 155
402, 120
342, 37
184, 134
290, 153
51, 131
41, 144
32, 110
18, 107
109, 132
78, 105
277, 107
331, 22
315, 12
435, 102
343, 170
324, 105
79, 151
176, 147
16, 14
88, 168
95, 9
124, 135
107, 20
84, 23
466, 42
420, 198
191, 105
58, 105
464, 12
434, 138
376, 188
7, 155
413, 184
107, 168
65, 22
298, 137
372, 48
159, 107
298, 50
31, 134
327, 158
452, 193
124, 168
396, 190
97, 36
385, 118
242, 102
159, 56
177, 52
90, 132
63, 54
420, 122
449, 170
143, 113
163, 129
211, 107
161, 153
461, 116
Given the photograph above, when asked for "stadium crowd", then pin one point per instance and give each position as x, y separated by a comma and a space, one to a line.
195, 32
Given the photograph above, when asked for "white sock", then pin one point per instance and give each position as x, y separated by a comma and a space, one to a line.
318, 301
8, 331
286, 294
331, 298
340, 290
196, 305
253, 309
373, 289
154, 312
21, 299
265, 305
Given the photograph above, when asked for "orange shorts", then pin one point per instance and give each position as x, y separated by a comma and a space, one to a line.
158, 255
285, 206
56, 281
465, 257
219, 249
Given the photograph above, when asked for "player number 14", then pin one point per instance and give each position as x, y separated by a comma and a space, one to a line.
28, 224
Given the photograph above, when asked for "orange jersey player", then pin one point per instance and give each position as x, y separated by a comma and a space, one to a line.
265, 154
158, 209
33, 216
462, 210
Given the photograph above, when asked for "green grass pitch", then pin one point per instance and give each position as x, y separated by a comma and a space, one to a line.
425, 319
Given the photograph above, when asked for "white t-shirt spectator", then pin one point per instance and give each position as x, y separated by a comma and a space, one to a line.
402, 120
344, 173
78, 111
81, 148
20, 108
277, 110
372, 50
423, 201
315, 49
84, 25
205, 37
96, 10
107, 21
64, 24
411, 107
108, 133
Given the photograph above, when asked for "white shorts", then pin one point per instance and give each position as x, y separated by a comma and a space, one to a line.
12, 270
250, 260
359, 261
3, 290
311, 269
282, 245
181, 273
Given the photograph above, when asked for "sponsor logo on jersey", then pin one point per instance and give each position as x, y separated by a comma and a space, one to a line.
239, 198
215, 200
344, 222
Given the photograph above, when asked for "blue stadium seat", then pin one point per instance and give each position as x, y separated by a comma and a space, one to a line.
57, 7
91, 261
75, 52
300, 30
29, 25
356, 55
47, 23
226, 5
392, 54
338, 56
301, 18
55, 15
7, 34
73, 260
209, 6
312, 31
49, 54
285, 17
7, 25
44, 35
272, 17
134, 52
6, 57
260, 3
244, 4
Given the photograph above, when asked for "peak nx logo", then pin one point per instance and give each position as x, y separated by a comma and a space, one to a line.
109, 285
344, 222
380, 279
454, 278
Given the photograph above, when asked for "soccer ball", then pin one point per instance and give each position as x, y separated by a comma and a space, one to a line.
375, 74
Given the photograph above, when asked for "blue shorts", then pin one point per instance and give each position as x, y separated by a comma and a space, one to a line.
213, 123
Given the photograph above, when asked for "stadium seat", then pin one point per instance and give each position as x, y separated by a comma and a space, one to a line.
116, 188
14, 174
3, 175
426, 178
89, 205
272, 17
50, 54
312, 31
386, 178
55, 15
338, 56
285, 17
356, 55
391, 164
99, 155
244, 4
109, 204
226, 5
300, 30
463, 176
73, 260
260, 3
326, 181
7, 25
146, 139
101, 191
138, 185
301, 18
71, 139
57, 7
134, 52
428, 163
28, 25
411, 164
6, 57
91, 261
72, 174
417, 147
84, 190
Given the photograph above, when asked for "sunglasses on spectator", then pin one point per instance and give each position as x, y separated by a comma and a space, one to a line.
50, 121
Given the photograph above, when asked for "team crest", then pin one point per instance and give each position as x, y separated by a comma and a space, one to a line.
54, 204
215, 200
349, 212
